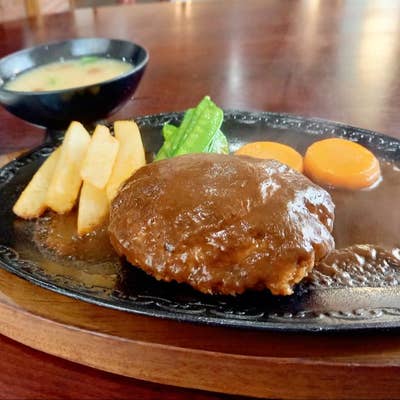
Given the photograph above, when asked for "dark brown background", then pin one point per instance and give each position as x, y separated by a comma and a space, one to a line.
334, 59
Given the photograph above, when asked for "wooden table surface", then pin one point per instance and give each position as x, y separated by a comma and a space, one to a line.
333, 59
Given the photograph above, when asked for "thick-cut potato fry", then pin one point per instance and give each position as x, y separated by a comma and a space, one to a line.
32, 201
93, 208
100, 157
130, 157
66, 181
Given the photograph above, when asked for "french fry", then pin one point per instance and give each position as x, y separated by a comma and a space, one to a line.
93, 208
130, 157
66, 181
32, 201
100, 157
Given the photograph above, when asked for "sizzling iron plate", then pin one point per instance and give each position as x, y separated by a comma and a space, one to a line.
123, 287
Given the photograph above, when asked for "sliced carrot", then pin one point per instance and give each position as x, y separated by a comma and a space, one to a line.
341, 163
273, 150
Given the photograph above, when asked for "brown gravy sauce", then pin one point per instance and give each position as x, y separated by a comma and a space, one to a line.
85, 262
367, 236
366, 232
57, 234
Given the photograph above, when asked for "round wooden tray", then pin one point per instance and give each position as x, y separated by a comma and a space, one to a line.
232, 361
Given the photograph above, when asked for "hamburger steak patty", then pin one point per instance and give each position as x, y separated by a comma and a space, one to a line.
222, 224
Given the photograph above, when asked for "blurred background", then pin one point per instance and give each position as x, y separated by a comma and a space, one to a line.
14, 9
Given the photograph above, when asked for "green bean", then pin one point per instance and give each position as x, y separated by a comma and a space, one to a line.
171, 135
204, 124
198, 132
219, 144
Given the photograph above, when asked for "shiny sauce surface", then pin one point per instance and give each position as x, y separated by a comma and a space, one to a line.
367, 236
366, 232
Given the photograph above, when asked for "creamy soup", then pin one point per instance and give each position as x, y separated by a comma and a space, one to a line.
68, 74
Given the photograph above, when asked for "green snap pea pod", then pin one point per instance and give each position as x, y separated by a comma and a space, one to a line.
185, 127
219, 144
169, 131
161, 154
189, 121
204, 124
164, 152
171, 135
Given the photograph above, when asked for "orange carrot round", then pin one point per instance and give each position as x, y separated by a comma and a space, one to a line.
341, 163
273, 150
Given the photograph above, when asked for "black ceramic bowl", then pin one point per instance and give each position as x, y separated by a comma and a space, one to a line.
55, 109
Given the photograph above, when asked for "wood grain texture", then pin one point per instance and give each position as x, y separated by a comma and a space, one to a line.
210, 358
332, 59
6, 158
49, 377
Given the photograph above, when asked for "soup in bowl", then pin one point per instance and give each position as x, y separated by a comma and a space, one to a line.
68, 74
78, 79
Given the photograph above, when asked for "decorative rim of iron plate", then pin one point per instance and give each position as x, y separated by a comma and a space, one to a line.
215, 313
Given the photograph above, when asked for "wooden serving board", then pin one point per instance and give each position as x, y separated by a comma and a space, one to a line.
218, 359
255, 363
